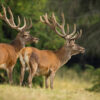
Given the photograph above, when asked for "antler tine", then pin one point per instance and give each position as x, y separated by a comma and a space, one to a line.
78, 35
56, 24
63, 23
41, 19
52, 22
19, 22
55, 21
11, 17
1, 16
67, 29
44, 19
24, 26
80, 32
63, 36
74, 32
30, 26
63, 19
4, 16
11, 20
59, 26
47, 20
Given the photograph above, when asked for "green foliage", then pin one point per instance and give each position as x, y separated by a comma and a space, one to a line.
85, 13
16, 73
16, 76
96, 82
89, 68
93, 74
77, 68
23, 8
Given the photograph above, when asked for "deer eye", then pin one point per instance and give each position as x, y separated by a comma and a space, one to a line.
73, 45
25, 36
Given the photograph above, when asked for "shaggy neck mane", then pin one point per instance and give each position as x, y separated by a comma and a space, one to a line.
63, 54
17, 44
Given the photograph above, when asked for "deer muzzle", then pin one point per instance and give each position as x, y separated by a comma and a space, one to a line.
35, 40
82, 50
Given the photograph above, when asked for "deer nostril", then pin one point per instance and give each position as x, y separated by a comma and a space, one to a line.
35, 40
83, 49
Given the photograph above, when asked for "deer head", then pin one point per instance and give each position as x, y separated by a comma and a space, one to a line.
23, 34
69, 37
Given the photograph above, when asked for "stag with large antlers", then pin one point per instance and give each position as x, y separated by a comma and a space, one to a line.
47, 62
10, 52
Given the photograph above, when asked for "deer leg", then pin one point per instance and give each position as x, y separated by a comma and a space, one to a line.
52, 75
30, 73
22, 75
33, 68
22, 69
9, 73
46, 81
30, 78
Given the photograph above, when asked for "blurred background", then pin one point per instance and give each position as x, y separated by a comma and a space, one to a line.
85, 13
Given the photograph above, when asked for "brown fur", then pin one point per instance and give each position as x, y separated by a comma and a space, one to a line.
10, 52
48, 61
8, 57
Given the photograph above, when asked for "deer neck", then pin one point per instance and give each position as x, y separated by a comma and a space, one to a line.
63, 54
18, 44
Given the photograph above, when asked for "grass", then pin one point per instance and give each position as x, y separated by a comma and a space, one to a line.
67, 86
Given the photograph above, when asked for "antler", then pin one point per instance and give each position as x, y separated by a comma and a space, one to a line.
11, 22
53, 24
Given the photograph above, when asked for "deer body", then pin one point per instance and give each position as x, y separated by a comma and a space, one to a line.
8, 55
47, 62
42, 57
10, 52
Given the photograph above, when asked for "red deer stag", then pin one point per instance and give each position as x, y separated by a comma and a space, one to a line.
47, 62
9, 52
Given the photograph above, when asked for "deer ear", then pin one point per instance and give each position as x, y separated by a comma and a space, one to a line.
68, 43
72, 42
28, 32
